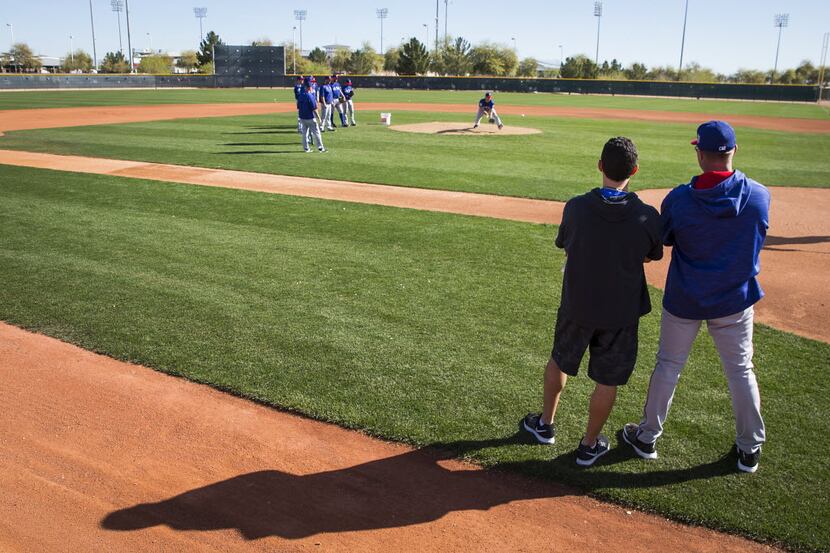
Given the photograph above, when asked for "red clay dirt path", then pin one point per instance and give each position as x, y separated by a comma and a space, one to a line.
12, 120
795, 262
100, 455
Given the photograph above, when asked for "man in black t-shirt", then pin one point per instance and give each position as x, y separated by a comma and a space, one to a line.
607, 235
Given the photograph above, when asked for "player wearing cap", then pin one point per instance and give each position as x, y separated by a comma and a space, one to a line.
338, 100
486, 106
348, 94
298, 89
717, 225
326, 99
307, 111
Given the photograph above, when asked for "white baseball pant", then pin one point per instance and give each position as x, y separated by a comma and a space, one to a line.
733, 339
311, 133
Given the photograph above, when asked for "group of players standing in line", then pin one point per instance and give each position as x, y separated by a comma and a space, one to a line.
316, 105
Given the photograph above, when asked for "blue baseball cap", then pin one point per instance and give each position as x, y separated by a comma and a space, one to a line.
715, 136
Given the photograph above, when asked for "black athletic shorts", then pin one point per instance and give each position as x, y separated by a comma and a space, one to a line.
613, 353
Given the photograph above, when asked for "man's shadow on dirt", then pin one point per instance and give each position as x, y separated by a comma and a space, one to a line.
403, 490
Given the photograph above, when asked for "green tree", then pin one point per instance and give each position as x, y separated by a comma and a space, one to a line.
365, 60
413, 59
206, 69
23, 59
188, 61
390, 59
662, 74
318, 55
262, 42
750, 76
114, 62
454, 58
493, 59
205, 54
806, 73
637, 72
77, 61
340, 60
579, 67
529, 67
160, 64
694, 72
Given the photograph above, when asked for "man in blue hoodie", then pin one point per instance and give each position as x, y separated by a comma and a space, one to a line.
717, 225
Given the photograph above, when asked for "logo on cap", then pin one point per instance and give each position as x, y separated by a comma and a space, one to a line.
715, 136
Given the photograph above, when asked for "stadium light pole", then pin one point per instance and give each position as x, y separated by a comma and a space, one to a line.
301, 15
129, 39
383, 13
683, 40
71, 51
823, 61
515, 48
117, 7
92, 24
781, 20
426, 30
200, 14
150, 38
446, 10
294, 47
436, 24
598, 15
561, 55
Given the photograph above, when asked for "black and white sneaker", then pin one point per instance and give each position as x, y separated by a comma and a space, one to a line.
322, 150
644, 450
587, 456
748, 462
543, 433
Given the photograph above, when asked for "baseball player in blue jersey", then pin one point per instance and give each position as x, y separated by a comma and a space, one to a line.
298, 89
337, 90
307, 111
348, 94
326, 99
486, 106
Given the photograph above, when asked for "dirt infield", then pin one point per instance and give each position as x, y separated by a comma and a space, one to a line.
100, 455
794, 262
463, 129
12, 120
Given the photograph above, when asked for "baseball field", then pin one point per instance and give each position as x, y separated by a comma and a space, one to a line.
375, 287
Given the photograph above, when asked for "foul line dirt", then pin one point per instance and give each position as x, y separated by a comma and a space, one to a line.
12, 120
794, 263
100, 455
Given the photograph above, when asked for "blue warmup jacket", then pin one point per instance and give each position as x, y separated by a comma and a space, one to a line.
326, 94
717, 235
307, 105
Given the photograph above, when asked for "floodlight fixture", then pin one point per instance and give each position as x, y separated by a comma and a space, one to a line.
781, 20
598, 15
118, 7
200, 14
382, 13
301, 15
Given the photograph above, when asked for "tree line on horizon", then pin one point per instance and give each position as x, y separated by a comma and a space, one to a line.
453, 57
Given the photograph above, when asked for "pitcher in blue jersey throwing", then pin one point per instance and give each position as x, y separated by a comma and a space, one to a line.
486, 106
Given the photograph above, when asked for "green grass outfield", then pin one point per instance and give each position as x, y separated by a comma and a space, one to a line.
73, 98
556, 164
422, 327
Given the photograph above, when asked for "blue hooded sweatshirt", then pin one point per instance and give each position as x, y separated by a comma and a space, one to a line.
717, 235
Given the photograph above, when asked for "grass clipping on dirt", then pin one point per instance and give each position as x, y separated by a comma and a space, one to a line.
421, 327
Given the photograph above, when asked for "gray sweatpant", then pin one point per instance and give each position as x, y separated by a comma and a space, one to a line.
310, 133
733, 339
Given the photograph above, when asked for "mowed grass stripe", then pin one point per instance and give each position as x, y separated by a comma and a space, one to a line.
80, 98
556, 164
421, 327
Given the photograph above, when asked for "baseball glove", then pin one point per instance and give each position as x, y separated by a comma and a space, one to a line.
492, 120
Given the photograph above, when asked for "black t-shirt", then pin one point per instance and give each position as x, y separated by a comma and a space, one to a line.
607, 242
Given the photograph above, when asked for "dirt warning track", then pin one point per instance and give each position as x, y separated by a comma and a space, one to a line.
100, 455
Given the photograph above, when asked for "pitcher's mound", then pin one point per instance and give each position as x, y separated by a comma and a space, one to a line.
463, 128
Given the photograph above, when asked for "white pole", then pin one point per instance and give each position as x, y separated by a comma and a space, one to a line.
92, 24
683, 41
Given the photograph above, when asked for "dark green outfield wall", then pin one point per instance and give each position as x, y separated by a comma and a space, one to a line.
788, 93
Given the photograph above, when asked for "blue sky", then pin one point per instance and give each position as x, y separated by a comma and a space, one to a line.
723, 35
